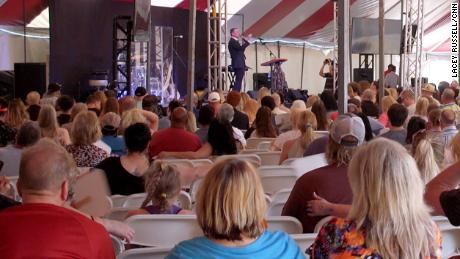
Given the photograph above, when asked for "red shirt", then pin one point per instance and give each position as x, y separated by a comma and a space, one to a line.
38, 230
173, 140
329, 182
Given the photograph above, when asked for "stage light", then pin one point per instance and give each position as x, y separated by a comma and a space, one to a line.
166, 3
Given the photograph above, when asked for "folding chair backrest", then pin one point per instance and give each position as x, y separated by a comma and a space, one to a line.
264, 145
146, 253
251, 151
184, 200
269, 158
201, 162
118, 246
304, 241
118, 200
281, 195
321, 223
450, 242
287, 224
272, 182
442, 222
119, 214
309, 163
91, 194
251, 158
134, 200
267, 169
252, 143
178, 162
163, 230
275, 208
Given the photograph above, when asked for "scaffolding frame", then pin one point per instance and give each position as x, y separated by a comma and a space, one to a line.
412, 52
217, 45
121, 52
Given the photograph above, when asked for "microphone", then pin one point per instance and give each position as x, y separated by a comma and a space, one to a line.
179, 36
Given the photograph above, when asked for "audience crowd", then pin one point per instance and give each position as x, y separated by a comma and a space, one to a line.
390, 167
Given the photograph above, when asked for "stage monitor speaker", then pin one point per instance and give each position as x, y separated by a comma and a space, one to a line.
360, 74
29, 77
259, 80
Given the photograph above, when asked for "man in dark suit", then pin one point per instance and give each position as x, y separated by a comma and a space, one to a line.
237, 54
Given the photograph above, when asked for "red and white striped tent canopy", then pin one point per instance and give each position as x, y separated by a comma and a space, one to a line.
294, 20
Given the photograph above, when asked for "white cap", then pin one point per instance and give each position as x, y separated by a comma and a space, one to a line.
348, 125
214, 97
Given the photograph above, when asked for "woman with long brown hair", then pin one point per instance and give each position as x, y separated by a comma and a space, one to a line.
263, 125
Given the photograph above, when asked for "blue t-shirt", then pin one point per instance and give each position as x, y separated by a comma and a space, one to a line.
117, 144
268, 245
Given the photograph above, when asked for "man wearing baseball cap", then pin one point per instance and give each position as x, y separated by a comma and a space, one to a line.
329, 182
214, 101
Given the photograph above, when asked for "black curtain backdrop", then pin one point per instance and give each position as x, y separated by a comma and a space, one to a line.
81, 40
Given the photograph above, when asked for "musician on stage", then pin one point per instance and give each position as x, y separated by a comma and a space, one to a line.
237, 54
329, 85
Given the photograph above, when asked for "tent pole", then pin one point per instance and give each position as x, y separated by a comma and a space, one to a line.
344, 49
303, 61
381, 49
191, 53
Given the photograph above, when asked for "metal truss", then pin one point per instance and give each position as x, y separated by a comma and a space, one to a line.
217, 44
412, 52
121, 53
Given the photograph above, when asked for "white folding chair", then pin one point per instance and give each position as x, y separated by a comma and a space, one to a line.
276, 169
252, 143
321, 133
288, 161
272, 182
13, 179
194, 188
309, 163
251, 151
251, 158
118, 246
134, 200
118, 200
442, 222
275, 208
146, 253
321, 223
287, 224
201, 162
304, 241
163, 230
92, 194
13, 193
264, 145
281, 195
450, 242
119, 214
184, 200
269, 158
178, 162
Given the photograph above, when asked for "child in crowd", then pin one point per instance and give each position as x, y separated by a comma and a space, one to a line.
162, 184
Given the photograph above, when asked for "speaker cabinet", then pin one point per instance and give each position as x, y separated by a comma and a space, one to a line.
29, 77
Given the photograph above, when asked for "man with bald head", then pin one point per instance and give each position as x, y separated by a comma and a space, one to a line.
176, 138
42, 227
449, 130
448, 100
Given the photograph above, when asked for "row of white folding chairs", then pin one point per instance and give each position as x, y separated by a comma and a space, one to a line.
135, 200
304, 241
173, 229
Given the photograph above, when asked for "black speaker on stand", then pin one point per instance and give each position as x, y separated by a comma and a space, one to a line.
29, 77
260, 80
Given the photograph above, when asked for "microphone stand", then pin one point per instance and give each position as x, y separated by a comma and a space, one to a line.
271, 55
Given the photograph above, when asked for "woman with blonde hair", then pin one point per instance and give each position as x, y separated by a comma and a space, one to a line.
84, 134
388, 217
263, 91
76, 109
49, 126
230, 208
428, 155
129, 118
17, 114
306, 123
250, 108
421, 108
387, 101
